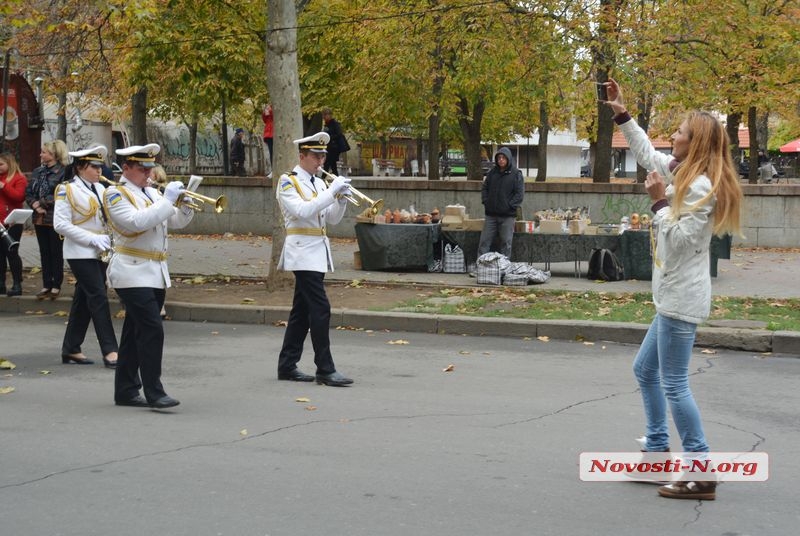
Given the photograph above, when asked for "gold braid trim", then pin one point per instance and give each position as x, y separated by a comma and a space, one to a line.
129, 196
87, 214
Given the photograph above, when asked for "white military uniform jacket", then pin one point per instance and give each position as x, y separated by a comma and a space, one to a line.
307, 208
139, 224
78, 217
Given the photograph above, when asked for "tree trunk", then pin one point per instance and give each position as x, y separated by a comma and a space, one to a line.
193, 145
284, 91
605, 130
544, 132
436, 96
470, 123
61, 117
139, 117
752, 127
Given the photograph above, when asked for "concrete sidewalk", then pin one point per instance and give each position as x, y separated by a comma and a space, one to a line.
756, 273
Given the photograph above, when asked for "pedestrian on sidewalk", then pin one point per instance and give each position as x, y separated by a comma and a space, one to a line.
40, 196
237, 154
308, 207
338, 142
703, 198
80, 219
12, 194
501, 194
139, 216
269, 131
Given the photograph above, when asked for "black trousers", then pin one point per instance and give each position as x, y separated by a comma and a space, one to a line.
141, 345
51, 253
11, 257
311, 311
331, 163
90, 303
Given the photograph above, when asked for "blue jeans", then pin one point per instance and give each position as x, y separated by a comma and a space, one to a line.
662, 369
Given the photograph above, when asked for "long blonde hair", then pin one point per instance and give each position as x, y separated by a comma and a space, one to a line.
709, 155
11, 162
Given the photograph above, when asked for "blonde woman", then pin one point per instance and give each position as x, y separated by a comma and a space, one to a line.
40, 196
703, 197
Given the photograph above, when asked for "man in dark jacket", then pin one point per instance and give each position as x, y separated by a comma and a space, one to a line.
237, 153
501, 196
338, 144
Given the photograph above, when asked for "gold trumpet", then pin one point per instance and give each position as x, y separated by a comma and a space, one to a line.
356, 197
195, 201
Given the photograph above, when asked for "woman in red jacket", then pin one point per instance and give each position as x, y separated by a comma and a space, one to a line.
12, 194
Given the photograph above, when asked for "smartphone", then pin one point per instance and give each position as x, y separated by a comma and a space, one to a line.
602, 94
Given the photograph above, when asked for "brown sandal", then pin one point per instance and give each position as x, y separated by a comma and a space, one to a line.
700, 491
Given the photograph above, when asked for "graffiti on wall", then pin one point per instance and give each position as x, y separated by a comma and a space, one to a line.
174, 142
617, 206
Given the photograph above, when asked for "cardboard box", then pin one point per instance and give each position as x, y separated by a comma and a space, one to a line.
577, 226
452, 221
590, 230
552, 226
456, 210
524, 226
473, 224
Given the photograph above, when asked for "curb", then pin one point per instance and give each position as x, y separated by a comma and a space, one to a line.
741, 339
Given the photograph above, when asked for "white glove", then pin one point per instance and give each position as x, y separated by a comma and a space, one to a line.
173, 190
340, 186
101, 242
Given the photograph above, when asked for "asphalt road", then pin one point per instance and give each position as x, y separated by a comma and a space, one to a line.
490, 448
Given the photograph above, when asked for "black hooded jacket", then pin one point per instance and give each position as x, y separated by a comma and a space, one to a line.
503, 189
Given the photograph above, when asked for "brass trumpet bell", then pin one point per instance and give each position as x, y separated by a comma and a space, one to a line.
219, 204
357, 198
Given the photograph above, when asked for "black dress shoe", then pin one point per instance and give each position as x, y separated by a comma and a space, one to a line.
164, 402
69, 358
109, 364
137, 401
295, 376
333, 379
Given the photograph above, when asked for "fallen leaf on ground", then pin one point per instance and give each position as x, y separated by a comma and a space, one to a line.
398, 341
44, 372
708, 351
60, 313
464, 352
279, 323
5, 364
449, 368
243, 432
543, 338
248, 300
587, 343
6, 390
311, 408
302, 399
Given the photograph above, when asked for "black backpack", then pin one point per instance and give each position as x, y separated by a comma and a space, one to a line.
605, 266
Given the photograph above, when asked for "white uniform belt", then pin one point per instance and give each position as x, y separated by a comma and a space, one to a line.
308, 231
141, 253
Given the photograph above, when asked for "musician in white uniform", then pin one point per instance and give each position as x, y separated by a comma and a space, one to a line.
139, 215
308, 206
78, 217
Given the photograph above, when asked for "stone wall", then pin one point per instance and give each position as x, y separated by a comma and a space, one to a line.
771, 215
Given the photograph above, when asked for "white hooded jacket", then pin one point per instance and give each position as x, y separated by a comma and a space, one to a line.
681, 276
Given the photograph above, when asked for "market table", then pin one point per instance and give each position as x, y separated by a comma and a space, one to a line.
397, 246
411, 246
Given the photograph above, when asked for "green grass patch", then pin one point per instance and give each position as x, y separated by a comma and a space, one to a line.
534, 304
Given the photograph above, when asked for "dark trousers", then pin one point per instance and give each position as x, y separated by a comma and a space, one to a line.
11, 257
268, 141
90, 303
310, 311
237, 168
52, 256
501, 227
331, 163
141, 345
